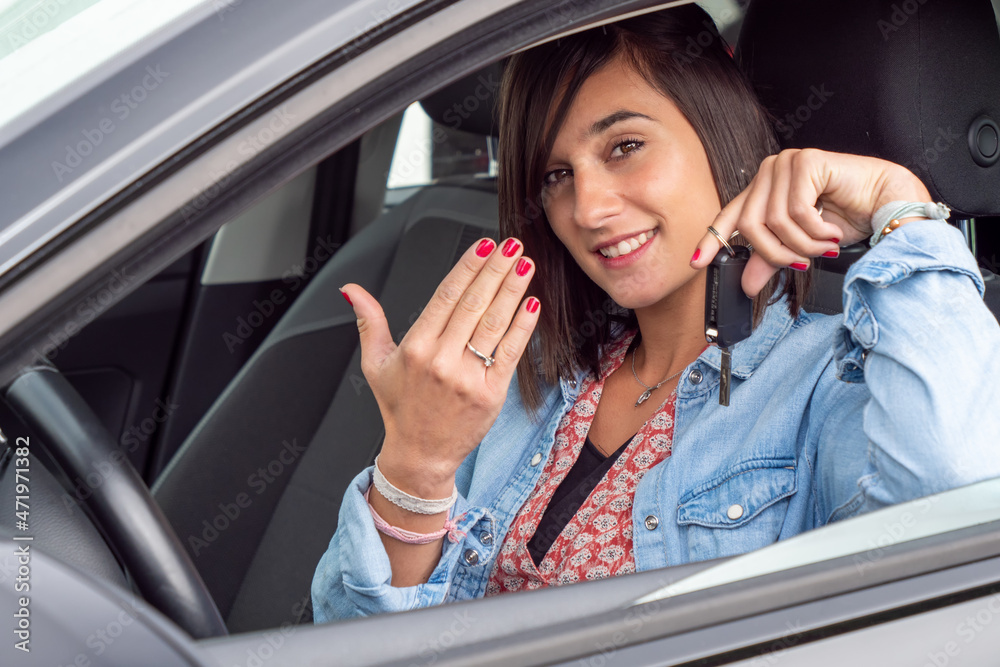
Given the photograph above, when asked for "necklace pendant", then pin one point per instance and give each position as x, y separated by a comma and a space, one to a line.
644, 397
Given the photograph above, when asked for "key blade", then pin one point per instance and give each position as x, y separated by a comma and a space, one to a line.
724, 377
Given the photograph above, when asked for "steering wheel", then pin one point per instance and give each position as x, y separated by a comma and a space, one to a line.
121, 503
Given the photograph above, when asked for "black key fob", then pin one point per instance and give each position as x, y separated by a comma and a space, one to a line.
728, 310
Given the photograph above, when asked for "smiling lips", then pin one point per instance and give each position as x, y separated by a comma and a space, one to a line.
628, 245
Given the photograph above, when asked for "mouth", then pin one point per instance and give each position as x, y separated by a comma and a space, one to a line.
626, 245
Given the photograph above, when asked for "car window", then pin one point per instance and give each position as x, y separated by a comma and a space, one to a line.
427, 151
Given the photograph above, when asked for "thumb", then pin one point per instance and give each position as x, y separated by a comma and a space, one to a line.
376, 341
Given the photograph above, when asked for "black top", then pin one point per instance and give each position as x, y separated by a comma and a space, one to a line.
588, 470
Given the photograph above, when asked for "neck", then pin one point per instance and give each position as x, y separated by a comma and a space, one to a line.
673, 331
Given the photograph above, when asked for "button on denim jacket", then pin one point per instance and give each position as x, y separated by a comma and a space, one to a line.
830, 416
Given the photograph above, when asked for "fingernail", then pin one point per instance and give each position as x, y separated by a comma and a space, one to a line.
799, 266
696, 255
523, 266
831, 253
485, 247
510, 247
532, 304
834, 240
347, 298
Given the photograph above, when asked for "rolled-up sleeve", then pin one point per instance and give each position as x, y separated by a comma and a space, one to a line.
917, 334
354, 577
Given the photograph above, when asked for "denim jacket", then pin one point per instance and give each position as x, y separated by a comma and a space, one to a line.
830, 416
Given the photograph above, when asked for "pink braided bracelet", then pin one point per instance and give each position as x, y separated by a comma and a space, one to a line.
409, 537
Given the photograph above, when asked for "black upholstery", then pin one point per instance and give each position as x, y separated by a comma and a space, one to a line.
904, 81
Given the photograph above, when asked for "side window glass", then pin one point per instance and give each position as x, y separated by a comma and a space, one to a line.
428, 152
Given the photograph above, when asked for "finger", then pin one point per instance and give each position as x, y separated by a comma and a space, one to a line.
376, 341
754, 222
724, 223
803, 200
777, 217
497, 318
438, 311
478, 297
514, 343
756, 274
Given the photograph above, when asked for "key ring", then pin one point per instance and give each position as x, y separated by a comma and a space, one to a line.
724, 242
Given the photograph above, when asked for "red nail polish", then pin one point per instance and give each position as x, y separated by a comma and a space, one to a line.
834, 240
485, 247
696, 255
523, 266
831, 253
532, 304
799, 266
347, 298
510, 247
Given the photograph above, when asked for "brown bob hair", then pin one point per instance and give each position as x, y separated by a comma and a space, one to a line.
680, 53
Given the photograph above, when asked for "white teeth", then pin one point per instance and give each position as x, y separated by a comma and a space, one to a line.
628, 245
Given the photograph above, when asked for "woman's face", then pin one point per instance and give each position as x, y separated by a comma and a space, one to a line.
628, 189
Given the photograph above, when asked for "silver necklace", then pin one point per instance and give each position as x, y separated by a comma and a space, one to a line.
644, 396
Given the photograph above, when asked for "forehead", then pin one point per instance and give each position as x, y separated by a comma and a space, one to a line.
615, 87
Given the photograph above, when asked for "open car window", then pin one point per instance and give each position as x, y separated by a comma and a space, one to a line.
221, 308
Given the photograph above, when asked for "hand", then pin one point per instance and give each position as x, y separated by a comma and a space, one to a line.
436, 397
777, 212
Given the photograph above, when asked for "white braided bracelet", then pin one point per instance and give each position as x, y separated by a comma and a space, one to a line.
410, 503
887, 217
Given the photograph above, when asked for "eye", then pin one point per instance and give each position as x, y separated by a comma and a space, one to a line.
625, 147
555, 177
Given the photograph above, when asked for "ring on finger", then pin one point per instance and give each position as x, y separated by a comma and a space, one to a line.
722, 240
487, 360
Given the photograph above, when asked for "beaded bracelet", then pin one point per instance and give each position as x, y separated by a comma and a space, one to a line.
887, 217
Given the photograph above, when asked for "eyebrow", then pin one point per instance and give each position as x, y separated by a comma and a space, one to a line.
618, 116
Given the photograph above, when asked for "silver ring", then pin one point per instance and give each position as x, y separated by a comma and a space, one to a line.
488, 361
819, 207
724, 242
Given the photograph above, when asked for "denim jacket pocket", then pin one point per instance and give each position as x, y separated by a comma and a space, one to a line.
738, 511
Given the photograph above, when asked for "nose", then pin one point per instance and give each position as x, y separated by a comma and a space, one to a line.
596, 197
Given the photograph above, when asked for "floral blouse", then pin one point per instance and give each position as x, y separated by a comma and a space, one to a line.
597, 541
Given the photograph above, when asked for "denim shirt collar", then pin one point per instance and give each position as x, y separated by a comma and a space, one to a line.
747, 354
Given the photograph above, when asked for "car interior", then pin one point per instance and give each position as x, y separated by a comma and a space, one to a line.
232, 381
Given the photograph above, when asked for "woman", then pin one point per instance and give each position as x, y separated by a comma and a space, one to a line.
618, 152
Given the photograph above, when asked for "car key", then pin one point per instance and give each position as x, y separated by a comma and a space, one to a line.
728, 310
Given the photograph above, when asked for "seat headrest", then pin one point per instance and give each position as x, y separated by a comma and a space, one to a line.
911, 81
468, 104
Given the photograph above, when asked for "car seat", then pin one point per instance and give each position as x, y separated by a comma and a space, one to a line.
254, 490
916, 83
